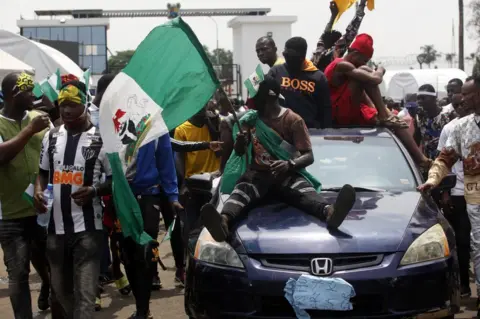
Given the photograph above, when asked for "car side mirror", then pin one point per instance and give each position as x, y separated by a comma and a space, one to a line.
200, 183
447, 183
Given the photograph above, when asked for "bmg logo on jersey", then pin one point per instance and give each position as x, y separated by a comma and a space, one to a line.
66, 176
302, 85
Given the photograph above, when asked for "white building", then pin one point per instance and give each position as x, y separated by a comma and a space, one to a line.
247, 30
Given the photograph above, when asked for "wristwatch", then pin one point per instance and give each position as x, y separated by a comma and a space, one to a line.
292, 164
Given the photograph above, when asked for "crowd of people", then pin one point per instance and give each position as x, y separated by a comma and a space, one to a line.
82, 248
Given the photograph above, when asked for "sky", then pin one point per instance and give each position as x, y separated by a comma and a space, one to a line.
399, 27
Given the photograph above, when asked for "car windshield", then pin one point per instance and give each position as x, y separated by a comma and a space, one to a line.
361, 161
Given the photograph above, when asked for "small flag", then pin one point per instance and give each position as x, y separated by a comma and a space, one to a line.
168, 79
28, 193
49, 87
254, 80
170, 229
344, 5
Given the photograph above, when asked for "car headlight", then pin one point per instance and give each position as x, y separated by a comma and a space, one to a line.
430, 245
210, 251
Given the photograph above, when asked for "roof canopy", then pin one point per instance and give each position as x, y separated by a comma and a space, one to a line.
44, 59
9, 64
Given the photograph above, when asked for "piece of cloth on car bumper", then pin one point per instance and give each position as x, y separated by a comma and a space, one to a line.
318, 293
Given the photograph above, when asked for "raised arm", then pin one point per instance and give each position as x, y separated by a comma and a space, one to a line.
354, 26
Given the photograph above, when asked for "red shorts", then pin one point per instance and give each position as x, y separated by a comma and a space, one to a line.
344, 113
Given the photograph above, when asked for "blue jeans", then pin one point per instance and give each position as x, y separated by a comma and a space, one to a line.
22, 241
75, 266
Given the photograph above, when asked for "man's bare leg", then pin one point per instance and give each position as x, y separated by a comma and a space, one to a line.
370, 95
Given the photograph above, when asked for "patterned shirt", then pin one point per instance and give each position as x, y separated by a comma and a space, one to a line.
464, 144
430, 130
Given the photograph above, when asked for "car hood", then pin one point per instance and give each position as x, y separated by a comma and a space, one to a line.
377, 223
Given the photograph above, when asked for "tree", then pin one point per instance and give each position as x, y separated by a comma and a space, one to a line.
461, 46
117, 62
450, 57
221, 56
471, 57
430, 54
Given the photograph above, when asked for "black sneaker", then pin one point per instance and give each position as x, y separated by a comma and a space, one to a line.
43, 299
180, 277
156, 283
215, 223
465, 292
343, 204
135, 316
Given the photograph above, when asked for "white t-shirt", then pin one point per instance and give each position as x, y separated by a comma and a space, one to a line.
457, 169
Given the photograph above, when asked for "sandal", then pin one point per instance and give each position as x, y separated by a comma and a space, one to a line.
393, 122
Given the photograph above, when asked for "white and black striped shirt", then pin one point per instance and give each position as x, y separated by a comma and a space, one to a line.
73, 161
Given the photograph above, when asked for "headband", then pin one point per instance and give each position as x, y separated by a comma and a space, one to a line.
427, 93
71, 93
24, 83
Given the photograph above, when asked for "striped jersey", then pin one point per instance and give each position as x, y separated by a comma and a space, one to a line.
73, 161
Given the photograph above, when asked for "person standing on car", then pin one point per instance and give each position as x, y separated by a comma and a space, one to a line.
281, 149
464, 144
72, 159
21, 238
454, 204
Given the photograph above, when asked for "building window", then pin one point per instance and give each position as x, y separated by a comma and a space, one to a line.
99, 64
29, 33
98, 35
101, 49
90, 50
87, 61
71, 34
85, 35
43, 33
56, 34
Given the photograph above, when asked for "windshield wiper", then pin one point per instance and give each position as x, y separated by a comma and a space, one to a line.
357, 189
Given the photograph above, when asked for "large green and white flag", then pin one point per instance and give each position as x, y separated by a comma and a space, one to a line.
49, 86
168, 80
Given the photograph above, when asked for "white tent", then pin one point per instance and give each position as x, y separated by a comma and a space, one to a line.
397, 82
46, 60
10, 64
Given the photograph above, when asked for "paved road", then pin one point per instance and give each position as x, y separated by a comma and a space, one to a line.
166, 303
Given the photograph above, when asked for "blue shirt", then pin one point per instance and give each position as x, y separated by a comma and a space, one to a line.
155, 166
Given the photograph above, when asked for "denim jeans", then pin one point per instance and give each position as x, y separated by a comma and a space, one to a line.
22, 241
75, 266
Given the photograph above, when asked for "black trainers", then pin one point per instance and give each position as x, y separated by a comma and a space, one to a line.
135, 316
180, 277
214, 222
343, 204
156, 283
43, 299
465, 292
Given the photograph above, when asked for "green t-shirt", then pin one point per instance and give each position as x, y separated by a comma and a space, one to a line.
19, 172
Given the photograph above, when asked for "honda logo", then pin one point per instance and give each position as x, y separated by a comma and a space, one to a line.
321, 266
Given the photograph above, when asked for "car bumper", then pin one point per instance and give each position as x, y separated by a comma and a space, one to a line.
383, 291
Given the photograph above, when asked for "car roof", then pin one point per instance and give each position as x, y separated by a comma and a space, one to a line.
353, 131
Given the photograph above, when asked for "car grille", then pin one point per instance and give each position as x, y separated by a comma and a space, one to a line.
302, 262
365, 305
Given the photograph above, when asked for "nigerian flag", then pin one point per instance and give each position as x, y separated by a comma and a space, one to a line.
168, 80
49, 87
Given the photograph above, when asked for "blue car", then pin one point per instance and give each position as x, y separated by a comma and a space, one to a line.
395, 247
